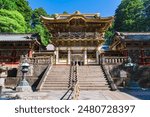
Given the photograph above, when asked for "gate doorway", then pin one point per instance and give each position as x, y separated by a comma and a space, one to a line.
77, 60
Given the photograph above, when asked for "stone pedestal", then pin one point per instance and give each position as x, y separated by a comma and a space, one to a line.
2, 84
24, 87
3, 75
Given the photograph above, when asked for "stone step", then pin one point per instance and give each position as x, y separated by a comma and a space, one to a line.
94, 88
88, 86
54, 88
91, 78
100, 82
55, 85
58, 79
63, 82
84, 79
94, 84
58, 75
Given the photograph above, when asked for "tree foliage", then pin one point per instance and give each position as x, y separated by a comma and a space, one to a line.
36, 14
129, 16
147, 15
65, 12
8, 4
11, 21
109, 34
24, 8
37, 25
44, 34
17, 16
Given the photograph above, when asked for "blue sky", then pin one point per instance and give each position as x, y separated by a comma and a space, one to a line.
104, 7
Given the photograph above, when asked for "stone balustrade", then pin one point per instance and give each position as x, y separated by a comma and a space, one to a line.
113, 60
38, 60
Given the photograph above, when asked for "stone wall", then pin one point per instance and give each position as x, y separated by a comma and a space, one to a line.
141, 74
33, 76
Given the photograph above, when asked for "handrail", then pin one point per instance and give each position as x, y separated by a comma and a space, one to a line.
109, 78
76, 91
44, 76
73, 92
76, 87
65, 95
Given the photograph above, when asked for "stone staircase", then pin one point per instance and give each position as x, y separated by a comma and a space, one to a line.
92, 78
57, 79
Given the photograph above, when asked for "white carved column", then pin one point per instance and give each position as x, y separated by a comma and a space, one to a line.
57, 55
97, 57
69, 55
85, 56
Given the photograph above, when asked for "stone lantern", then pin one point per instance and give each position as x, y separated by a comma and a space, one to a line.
3, 76
131, 67
24, 85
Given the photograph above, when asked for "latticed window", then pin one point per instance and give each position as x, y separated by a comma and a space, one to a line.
147, 53
91, 55
134, 54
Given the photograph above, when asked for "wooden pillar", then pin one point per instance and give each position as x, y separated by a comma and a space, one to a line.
30, 53
97, 57
142, 57
126, 53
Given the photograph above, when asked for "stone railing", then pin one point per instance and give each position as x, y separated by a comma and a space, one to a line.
38, 60
43, 79
113, 60
109, 78
76, 91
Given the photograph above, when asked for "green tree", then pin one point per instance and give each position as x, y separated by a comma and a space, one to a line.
44, 34
147, 15
109, 34
129, 16
38, 27
8, 4
65, 12
36, 14
24, 8
11, 21
21, 6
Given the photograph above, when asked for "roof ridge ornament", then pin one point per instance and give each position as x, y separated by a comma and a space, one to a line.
77, 12
97, 15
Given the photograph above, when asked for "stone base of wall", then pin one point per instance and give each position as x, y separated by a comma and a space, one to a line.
33, 77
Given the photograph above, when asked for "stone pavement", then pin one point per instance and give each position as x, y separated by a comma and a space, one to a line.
56, 95
105, 95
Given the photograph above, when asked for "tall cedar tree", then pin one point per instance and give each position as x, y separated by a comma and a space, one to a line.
24, 8
8, 5
147, 15
38, 27
129, 16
